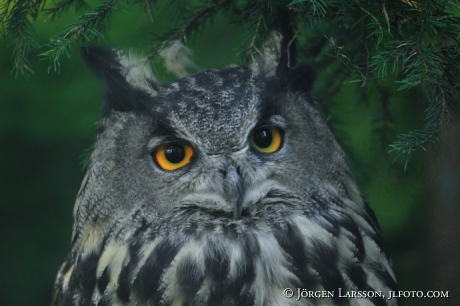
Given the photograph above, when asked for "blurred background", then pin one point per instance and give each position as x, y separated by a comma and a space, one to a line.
47, 123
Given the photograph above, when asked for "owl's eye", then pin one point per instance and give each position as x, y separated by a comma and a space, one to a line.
172, 156
266, 139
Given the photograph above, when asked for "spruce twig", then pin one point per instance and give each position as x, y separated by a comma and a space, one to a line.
199, 18
16, 23
93, 23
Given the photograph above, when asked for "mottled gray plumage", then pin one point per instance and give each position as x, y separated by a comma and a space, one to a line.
233, 225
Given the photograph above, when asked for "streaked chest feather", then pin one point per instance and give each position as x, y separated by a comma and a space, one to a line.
245, 262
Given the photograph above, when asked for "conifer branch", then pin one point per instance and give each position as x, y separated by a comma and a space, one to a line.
63, 6
196, 20
16, 25
92, 27
147, 9
252, 45
429, 134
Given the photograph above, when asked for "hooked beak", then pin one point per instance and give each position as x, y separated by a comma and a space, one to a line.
233, 187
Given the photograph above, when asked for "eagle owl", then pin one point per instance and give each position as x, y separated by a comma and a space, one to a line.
225, 187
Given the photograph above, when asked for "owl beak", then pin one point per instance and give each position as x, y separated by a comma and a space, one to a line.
233, 187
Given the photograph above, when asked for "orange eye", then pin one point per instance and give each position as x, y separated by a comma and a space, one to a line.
172, 156
267, 139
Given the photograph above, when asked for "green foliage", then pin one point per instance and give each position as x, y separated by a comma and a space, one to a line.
413, 42
16, 22
91, 26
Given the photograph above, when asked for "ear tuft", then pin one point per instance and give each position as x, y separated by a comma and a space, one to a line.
114, 65
278, 56
128, 80
101, 60
302, 78
177, 58
266, 64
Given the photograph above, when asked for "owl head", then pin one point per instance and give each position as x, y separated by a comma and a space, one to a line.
222, 144
220, 188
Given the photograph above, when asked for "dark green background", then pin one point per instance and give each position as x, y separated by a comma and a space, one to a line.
46, 123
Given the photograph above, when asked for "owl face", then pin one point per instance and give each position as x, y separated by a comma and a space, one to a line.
221, 188
220, 142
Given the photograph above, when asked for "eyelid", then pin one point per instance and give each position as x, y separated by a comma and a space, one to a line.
157, 141
274, 120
